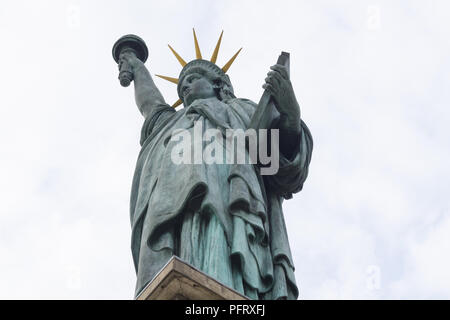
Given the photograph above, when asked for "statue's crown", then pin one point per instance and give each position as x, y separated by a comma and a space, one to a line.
200, 64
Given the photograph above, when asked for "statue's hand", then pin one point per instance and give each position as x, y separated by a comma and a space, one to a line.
129, 58
280, 87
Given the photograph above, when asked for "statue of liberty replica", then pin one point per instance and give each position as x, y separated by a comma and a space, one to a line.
225, 218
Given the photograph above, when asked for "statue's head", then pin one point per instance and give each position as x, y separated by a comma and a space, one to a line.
201, 79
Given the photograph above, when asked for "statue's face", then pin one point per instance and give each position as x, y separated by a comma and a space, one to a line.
196, 86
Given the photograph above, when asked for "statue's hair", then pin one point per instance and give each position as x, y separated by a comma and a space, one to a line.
221, 81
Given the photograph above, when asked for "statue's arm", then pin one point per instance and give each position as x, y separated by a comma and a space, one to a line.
289, 123
147, 95
295, 140
293, 170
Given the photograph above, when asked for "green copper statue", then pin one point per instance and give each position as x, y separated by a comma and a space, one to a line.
224, 218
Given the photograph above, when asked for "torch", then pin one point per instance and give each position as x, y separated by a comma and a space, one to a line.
128, 43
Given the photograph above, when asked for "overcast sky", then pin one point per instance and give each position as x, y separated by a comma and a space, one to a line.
372, 79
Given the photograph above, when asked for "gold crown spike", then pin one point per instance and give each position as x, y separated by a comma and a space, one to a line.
229, 63
176, 104
180, 59
173, 80
216, 50
199, 56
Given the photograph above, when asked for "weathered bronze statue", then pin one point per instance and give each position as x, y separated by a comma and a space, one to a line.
226, 219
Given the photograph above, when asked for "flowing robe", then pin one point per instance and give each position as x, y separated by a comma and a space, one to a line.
225, 219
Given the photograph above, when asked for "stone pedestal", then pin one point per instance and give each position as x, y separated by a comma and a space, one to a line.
178, 280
